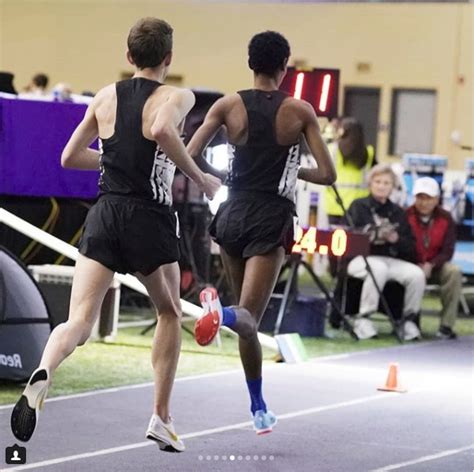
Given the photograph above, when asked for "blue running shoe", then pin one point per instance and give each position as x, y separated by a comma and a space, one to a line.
263, 422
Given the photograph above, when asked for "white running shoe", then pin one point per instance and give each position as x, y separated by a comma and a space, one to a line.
164, 434
26, 411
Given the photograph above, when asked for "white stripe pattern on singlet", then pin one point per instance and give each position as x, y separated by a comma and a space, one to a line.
101, 161
161, 177
231, 157
287, 184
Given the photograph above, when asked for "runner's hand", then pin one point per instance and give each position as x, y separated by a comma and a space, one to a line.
210, 185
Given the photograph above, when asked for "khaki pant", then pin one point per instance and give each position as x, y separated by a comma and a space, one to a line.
449, 279
388, 268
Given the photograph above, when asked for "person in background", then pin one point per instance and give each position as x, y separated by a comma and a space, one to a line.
330, 131
352, 159
435, 234
62, 92
6, 83
38, 85
392, 252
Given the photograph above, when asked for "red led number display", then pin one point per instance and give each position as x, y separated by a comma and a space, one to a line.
317, 86
307, 241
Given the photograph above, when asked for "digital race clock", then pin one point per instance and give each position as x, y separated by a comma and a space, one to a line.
338, 242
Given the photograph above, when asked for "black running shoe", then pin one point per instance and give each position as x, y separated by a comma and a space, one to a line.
445, 332
25, 413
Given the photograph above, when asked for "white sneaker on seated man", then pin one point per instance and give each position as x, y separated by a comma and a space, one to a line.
409, 275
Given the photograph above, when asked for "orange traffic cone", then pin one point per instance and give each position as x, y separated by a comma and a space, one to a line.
391, 385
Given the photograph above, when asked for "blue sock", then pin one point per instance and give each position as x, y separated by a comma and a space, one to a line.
256, 398
229, 316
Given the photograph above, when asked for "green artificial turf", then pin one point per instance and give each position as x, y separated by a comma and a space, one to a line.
126, 361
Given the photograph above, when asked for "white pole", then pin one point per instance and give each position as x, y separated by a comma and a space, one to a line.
130, 281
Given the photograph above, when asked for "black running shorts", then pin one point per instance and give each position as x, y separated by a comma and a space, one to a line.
129, 235
254, 223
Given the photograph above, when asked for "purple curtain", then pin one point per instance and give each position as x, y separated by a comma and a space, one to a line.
32, 137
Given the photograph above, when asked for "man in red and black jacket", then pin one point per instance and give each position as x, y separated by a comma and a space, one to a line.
435, 234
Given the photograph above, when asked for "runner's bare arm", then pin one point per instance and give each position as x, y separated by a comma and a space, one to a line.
165, 130
325, 173
77, 154
213, 121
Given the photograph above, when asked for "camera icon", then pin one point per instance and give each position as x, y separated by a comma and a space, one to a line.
15, 454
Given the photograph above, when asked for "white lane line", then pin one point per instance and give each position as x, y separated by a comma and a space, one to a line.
431, 457
200, 376
179, 379
330, 357
130, 387
327, 358
75, 457
205, 432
